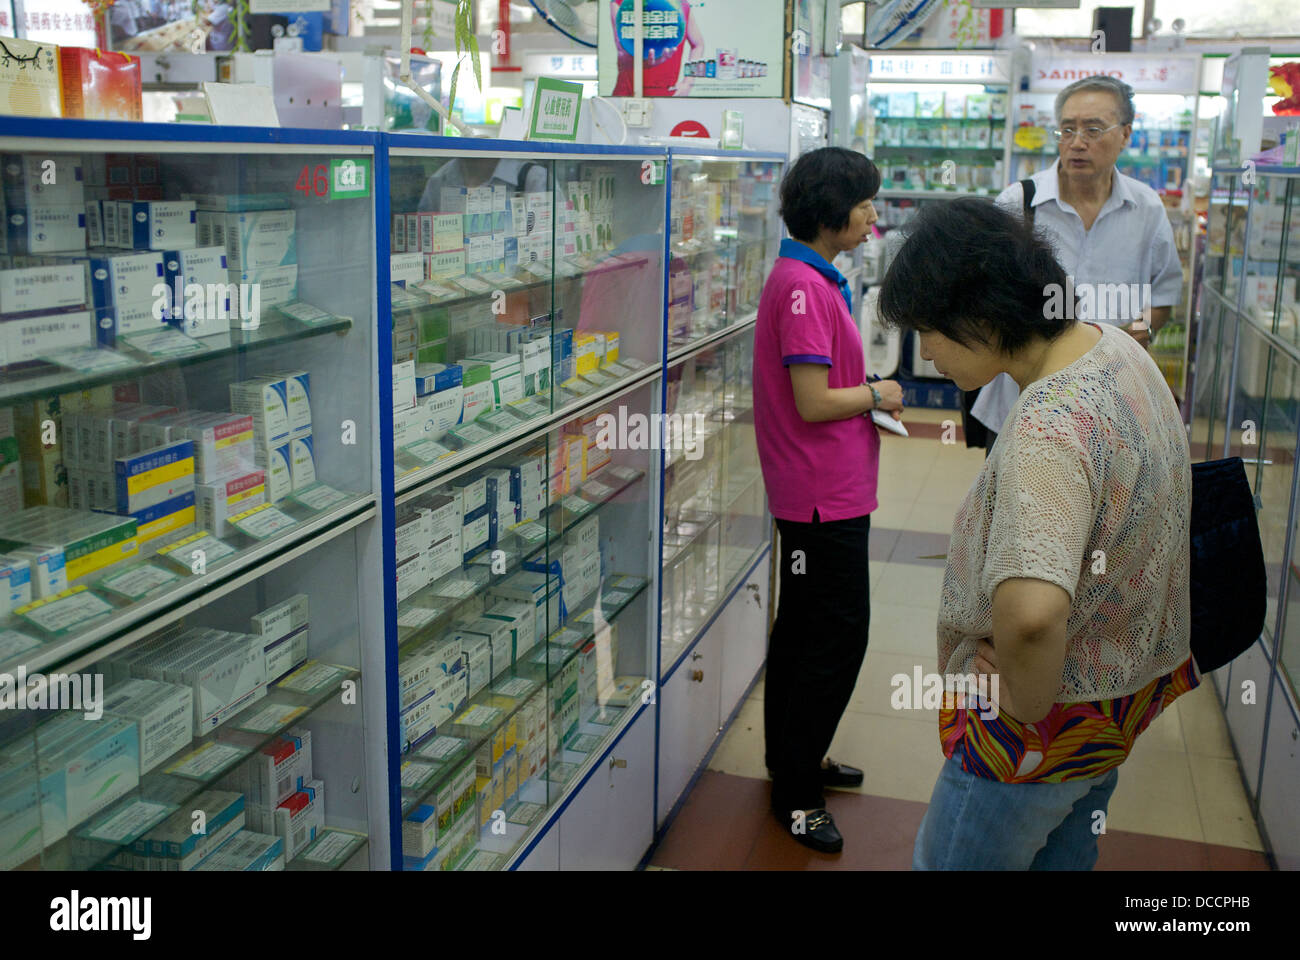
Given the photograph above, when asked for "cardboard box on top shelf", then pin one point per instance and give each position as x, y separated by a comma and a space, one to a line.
29, 79
99, 84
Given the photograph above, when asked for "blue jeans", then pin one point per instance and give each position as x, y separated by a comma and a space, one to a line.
974, 823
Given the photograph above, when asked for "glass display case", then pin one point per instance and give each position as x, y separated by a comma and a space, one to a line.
715, 507
1247, 373
526, 595
187, 489
523, 284
527, 303
723, 237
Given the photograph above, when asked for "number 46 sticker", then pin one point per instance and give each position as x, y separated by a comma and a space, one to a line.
349, 178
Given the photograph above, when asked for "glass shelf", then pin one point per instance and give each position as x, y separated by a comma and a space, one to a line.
34, 382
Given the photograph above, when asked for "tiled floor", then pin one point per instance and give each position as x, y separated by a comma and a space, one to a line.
1179, 804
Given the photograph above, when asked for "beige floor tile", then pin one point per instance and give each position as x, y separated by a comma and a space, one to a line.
931, 516
1204, 730
896, 628
1155, 795
1165, 732
741, 750
894, 509
901, 758
909, 584
876, 685
1221, 801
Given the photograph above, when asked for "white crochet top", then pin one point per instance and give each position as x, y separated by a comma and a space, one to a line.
1091, 473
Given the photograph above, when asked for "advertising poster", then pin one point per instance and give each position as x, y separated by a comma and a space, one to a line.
693, 48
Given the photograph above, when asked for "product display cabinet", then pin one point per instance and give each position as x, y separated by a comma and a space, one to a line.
349, 463
525, 561
186, 499
1246, 402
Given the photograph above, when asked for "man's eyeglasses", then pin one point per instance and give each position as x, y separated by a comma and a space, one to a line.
1089, 134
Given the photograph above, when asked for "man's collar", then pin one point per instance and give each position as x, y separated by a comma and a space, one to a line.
1047, 186
795, 250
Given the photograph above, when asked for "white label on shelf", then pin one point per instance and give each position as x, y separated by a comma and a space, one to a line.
62, 613
331, 845
514, 687
169, 342
206, 760
597, 491
427, 451
89, 361
134, 584
532, 532
270, 718
417, 616
415, 773
478, 716
13, 643
131, 821
441, 747
319, 497
186, 553
311, 677
262, 522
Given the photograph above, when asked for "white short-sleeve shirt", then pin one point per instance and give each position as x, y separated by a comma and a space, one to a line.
1129, 244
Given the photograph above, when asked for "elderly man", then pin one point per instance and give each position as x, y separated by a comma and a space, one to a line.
1110, 232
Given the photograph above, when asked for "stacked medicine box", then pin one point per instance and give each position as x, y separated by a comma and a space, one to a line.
258, 234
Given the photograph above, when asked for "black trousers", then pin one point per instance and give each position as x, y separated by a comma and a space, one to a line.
815, 652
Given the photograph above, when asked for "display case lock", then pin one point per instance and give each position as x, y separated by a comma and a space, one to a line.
615, 762
697, 676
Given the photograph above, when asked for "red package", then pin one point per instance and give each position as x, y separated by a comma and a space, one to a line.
100, 85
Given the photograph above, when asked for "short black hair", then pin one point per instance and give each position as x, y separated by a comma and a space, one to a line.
823, 187
975, 273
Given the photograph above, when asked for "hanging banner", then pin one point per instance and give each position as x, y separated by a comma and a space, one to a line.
1161, 73
693, 48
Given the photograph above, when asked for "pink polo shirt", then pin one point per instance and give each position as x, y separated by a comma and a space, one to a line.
830, 467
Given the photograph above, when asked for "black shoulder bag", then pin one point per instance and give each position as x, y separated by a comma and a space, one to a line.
1228, 582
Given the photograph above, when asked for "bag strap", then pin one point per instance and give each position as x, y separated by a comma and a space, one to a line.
1027, 185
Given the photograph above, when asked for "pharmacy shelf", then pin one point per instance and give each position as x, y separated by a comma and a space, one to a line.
912, 194
535, 675
126, 624
447, 467
572, 272
411, 637
41, 381
685, 351
208, 757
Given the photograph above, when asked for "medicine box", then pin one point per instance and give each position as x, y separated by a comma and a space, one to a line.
45, 229
174, 844
161, 225
262, 291
31, 179
122, 320
147, 479
223, 442
272, 775
247, 852
162, 712
222, 499
259, 239
47, 288
298, 400
266, 400
88, 542
15, 584
30, 338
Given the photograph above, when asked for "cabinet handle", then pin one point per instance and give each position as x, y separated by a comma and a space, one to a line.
615, 762
697, 656
697, 676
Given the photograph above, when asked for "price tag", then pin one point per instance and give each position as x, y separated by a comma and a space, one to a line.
89, 361
163, 343
556, 105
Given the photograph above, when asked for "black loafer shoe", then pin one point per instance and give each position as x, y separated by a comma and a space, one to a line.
815, 830
840, 775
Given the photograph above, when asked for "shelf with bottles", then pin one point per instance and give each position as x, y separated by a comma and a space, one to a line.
173, 416
248, 710
723, 237
523, 285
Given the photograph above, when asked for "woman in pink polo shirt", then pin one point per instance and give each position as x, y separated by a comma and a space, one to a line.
819, 451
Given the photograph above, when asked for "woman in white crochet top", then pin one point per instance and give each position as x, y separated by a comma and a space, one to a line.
1067, 577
